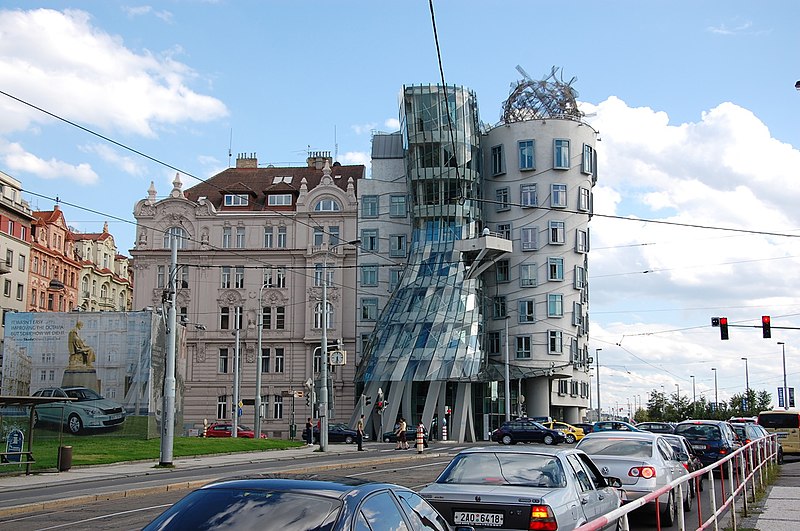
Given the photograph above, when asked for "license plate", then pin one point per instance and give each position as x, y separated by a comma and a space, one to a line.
699, 446
782, 435
484, 519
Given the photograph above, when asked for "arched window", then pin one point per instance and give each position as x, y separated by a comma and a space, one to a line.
85, 286
104, 291
327, 205
318, 315
183, 237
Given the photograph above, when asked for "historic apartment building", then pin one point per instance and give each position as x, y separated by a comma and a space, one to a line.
257, 241
105, 283
54, 267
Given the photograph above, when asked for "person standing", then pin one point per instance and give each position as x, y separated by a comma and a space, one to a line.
360, 433
309, 433
402, 444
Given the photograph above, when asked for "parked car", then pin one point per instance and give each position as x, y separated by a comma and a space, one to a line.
749, 432
88, 410
692, 463
411, 436
571, 433
527, 431
656, 427
290, 502
614, 425
644, 461
522, 488
710, 439
587, 427
225, 429
338, 433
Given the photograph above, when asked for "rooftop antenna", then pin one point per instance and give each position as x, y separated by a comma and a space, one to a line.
230, 145
335, 146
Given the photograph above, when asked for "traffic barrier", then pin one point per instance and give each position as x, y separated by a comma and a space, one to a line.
444, 432
420, 438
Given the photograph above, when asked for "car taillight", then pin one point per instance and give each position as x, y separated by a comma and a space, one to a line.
542, 518
723, 451
685, 465
645, 472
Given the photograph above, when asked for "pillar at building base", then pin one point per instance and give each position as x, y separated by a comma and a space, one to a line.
81, 378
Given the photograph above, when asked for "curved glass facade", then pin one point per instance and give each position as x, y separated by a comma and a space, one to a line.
431, 328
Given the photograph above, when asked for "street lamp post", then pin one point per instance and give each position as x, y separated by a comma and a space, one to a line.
597, 359
785, 387
694, 399
745, 404
507, 388
323, 392
259, 361
716, 395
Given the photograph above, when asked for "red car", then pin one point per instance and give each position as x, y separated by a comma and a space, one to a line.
224, 429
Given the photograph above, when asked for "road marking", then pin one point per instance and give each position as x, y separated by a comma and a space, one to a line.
103, 517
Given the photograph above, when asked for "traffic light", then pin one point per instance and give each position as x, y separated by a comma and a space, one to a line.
766, 331
367, 400
308, 400
723, 328
379, 405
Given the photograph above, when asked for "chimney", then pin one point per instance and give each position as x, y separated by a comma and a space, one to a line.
316, 159
243, 160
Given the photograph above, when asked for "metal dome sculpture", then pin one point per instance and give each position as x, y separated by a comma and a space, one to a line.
550, 97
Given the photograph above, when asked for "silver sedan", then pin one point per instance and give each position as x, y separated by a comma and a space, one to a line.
644, 462
522, 488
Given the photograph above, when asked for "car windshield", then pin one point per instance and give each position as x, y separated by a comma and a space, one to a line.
82, 394
501, 468
616, 446
698, 431
223, 509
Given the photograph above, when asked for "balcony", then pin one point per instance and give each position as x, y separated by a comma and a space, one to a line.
481, 252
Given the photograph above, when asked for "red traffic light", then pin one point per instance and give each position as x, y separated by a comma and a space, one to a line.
723, 328
766, 331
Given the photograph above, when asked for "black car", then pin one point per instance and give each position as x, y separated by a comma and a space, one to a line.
339, 433
587, 427
749, 432
681, 444
527, 431
656, 427
711, 440
290, 502
411, 436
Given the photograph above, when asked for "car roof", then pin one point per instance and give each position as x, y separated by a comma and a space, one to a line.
323, 485
623, 434
703, 421
542, 450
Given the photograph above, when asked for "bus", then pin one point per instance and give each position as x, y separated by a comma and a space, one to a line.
786, 423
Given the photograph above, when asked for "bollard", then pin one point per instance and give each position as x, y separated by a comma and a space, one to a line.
420, 438
444, 432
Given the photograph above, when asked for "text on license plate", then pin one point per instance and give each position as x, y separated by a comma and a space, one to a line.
485, 519
699, 446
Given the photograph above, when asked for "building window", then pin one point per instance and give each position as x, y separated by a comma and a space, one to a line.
394, 278
397, 245
526, 158
493, 343
225, 277
279, 200
226, 237
7, 288
327, 205
222, 407
558, 195
498, 164
280, 318
20, 291
179, 233
587, 165
277, 407
501, 199
530, 238
561, 154
527, 276
527, 196
240, 237
527, 311
281, 238
333, 235
504, 230
318, 315
369, 309
583, 199
369, 206
319, 236
369, 240
523, 347
280, 277
369, 275
224, 318
280, 359
501, 271
239, 277
265, 355
397, 206
499, 308
555, 268
317, 359
268, 240
10, 227
554, 342
21, 262
555, 305
223, 361
577, 313
556, 232
9, 257
236, 200
580, 277
318, 275
581, 241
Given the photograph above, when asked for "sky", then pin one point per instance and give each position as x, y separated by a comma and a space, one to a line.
696, 203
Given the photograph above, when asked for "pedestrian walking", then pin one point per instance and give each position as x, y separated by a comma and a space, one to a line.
360, 433
402, 444
309, 432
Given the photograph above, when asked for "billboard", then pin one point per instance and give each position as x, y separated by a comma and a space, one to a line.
120, 355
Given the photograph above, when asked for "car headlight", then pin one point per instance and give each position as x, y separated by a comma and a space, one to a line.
92, 411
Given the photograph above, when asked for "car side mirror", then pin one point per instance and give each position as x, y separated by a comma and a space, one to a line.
681, 456
613, 482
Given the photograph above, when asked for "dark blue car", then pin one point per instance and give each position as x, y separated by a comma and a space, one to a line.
526, 431
711, 440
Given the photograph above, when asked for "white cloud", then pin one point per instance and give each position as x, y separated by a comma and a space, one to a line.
363, 129
137, 11
16, 159
114, 157
355, 157
393, 124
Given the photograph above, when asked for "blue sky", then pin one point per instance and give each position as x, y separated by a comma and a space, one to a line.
695, 103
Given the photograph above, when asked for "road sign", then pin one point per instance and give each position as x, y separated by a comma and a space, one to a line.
14, 444
298, 394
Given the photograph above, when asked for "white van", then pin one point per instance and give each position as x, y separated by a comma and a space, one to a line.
786, 423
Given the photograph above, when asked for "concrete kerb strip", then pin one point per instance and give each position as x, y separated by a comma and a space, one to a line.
187, 485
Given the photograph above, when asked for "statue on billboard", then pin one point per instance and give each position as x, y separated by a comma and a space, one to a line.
81, 355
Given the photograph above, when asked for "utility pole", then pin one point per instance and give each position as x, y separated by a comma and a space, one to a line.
597, 359
168, 409
259, 358
507, 380
235, 412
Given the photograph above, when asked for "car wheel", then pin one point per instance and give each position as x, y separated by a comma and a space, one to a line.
780, 457
74, 424
570, 438
548, 439
348, 440
386, 439
506, 439
668, 514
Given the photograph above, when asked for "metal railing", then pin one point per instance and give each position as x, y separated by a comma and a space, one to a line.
745, 470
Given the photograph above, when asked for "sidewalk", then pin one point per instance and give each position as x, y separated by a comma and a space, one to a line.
779, 510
